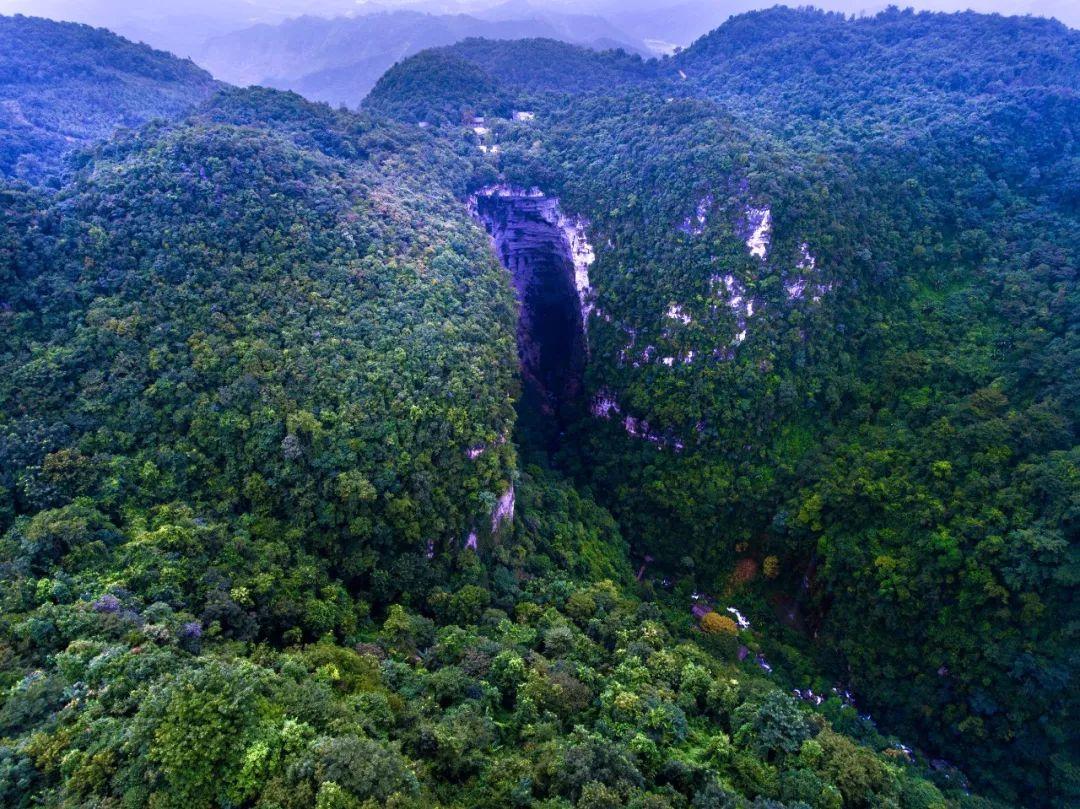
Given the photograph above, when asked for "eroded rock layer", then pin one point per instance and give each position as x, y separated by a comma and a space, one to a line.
533, 241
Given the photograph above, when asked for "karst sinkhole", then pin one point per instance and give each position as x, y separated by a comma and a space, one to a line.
533, 240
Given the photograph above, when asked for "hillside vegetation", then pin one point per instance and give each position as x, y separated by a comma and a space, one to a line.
244, 362
882, 399
64, 85
277, 528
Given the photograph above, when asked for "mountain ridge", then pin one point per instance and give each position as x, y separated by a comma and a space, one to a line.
301, 53
51, 106
284, 523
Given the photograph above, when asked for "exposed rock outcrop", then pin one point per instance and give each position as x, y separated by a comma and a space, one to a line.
548, 256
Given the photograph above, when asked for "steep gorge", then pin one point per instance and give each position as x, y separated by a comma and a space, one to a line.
547, 257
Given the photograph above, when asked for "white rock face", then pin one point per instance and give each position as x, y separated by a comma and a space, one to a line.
741, 307
505, 191
730, 287
604, 405
819, 291
523, 115
759, 221
695, 225
668, 361
583, 256
675, 312
638, 428
795, 288
504, 510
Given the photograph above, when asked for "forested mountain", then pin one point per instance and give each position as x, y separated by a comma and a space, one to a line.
840, 283
339, 60
65, 85
787, 520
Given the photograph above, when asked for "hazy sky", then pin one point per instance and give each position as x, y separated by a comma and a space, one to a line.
183, 25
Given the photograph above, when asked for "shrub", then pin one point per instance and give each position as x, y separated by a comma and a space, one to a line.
716, 624
362, 768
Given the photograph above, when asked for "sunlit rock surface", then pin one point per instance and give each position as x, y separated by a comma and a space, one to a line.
605, 406
583, 256
796, 287
759, 231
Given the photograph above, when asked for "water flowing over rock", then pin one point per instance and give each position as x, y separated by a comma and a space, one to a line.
740, 619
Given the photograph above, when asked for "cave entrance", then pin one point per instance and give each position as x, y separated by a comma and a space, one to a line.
533, 241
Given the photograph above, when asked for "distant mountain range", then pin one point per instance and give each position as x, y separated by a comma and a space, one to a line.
339, 60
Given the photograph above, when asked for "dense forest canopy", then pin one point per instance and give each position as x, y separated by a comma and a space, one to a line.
280, 530
906, 390
66, 85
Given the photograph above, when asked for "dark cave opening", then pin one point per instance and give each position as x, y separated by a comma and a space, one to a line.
533, 245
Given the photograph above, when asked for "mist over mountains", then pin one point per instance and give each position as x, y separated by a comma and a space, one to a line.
193, 28
556, 427
339, 60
